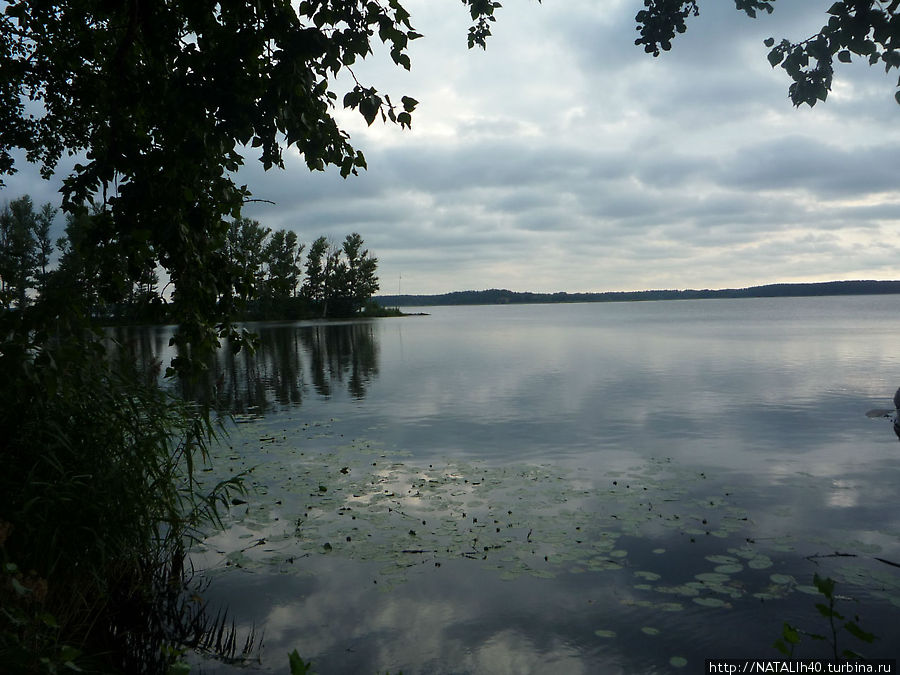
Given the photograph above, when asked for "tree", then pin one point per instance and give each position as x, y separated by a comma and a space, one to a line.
17, 251
161, 100
283, 255
80, 275
361, 283
316, 270
339, 280
25, 249
42, 240
867, 29
245, 249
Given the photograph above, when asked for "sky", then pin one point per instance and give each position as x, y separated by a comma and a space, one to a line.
564, 158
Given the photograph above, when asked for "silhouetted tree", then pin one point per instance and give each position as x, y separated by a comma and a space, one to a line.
339, 281
316, 270
42, 240
25, 249
360, 283
246, 251
282, 258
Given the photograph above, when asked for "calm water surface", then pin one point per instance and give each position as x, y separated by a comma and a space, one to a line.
561, 488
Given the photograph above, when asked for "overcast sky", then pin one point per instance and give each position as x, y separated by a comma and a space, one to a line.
565, 158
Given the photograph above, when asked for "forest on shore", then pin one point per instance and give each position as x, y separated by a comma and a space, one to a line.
271, 277
497, 296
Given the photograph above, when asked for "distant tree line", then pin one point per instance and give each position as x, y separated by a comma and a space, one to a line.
270, 279
497, 296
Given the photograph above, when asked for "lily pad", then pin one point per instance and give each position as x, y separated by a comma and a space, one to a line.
729, 569
759, 563
712, 577
649, 576
782, 578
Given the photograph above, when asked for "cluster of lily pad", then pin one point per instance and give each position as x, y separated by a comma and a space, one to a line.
320, 494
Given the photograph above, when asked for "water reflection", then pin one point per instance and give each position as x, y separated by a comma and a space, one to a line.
288, 360
755, 409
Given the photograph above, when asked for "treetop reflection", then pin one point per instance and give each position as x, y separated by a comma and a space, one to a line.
287, 361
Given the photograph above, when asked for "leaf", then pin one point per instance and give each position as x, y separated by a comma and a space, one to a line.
369, 108
844, 56
825, 586
769, 42
298, 667
19, 588
790, 634
858, 632
775, 57
49, 620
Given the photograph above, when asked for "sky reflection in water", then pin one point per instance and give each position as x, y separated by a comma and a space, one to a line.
758, 403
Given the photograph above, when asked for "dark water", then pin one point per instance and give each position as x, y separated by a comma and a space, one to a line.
561, 488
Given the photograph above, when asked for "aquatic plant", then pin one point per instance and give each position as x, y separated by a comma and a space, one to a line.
790, 635
99, 492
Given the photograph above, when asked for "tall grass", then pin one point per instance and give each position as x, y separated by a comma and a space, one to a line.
97, 498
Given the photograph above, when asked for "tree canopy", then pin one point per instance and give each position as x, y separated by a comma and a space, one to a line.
163, 101
866, 29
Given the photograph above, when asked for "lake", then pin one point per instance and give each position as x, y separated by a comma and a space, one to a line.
615, 487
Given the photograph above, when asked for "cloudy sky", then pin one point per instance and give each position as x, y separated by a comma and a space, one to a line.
565, 158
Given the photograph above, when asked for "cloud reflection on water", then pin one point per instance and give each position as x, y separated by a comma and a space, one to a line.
759, 404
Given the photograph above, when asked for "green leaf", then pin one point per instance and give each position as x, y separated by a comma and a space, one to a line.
775, 57
369, 108
179, 668
791, 634
858, 632
825, 586
67, 655
49, 620
298, 667
769, 42
844, 56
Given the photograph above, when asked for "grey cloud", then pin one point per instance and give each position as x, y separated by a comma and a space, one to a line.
806, 163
